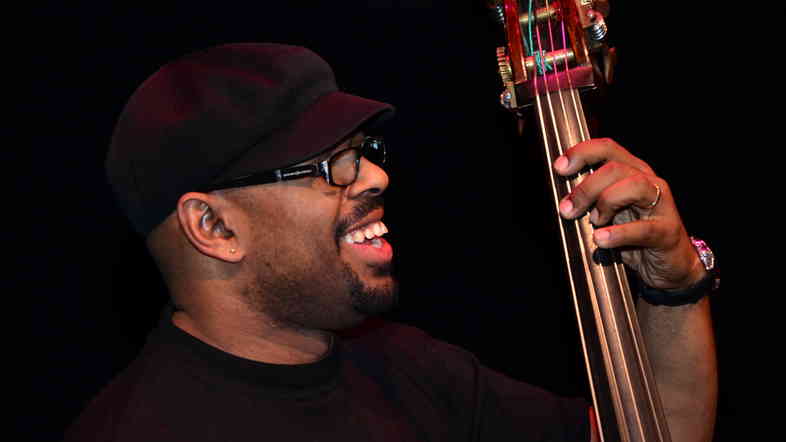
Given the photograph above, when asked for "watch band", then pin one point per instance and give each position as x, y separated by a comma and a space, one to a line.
692, 294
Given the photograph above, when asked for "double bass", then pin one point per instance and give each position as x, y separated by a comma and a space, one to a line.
554, 50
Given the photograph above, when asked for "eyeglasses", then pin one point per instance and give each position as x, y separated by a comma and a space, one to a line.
341, 169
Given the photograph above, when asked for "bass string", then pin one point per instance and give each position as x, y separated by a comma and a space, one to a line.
622, 282
639, 350
618, 269
557, 77
583, 135
539, 60
577, 118
563, 233
549, 159
603, 333
561, 151
583, 132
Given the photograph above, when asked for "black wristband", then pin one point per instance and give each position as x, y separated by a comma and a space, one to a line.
690, 295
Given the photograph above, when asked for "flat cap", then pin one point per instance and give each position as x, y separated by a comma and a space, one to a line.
223, 112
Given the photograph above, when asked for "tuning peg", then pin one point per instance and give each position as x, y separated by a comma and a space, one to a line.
508, 96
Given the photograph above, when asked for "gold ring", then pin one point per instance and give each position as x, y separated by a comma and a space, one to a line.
657, 196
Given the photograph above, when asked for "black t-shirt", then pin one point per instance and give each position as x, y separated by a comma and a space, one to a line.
393, 383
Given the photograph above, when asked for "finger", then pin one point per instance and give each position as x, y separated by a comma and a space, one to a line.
595, 151
650, 233
583, 196
637, 190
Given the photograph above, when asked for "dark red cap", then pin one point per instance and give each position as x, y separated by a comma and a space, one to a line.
224, 112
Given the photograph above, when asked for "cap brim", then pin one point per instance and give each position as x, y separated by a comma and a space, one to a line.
331, 119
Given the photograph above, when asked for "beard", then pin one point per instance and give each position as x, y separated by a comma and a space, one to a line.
372, 301
307, 285
326, 295
366, 300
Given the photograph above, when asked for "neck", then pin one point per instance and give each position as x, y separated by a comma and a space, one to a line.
241, 332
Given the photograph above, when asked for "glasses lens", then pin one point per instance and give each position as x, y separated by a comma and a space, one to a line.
344, 167
374, 150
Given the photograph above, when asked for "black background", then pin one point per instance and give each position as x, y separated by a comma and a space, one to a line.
477, 252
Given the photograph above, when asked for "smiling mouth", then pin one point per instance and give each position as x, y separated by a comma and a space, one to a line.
366, 243
369, 234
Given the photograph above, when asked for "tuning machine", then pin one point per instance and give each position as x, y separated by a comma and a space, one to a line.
592, 14
508, 96
587, 56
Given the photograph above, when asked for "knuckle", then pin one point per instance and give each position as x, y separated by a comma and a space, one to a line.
603, 204
644, 167
622, 170
580, 196
608, 202
642, 181
644, 234
649, 232
611, 167
610, 144
606, 141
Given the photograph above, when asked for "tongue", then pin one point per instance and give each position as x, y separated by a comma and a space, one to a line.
366, 250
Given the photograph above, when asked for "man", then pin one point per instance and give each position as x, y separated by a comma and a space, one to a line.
258, 190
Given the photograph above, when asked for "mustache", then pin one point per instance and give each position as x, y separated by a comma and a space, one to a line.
360, 211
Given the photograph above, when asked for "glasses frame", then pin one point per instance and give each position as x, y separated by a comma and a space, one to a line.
321, 168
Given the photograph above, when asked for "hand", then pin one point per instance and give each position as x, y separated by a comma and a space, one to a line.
619, 196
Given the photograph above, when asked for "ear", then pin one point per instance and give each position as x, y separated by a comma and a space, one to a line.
206, 221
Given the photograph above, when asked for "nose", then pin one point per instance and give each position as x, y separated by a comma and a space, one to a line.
372, 180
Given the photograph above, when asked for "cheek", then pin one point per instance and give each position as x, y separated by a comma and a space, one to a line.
302, 229
313, 222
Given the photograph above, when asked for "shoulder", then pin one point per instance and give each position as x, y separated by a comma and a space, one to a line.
492, 403
400, 353
130, 401
404, 343
102, 415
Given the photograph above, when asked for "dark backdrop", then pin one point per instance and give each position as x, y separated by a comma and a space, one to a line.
470, 219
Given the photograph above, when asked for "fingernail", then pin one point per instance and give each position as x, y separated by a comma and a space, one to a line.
561, 163
566, 206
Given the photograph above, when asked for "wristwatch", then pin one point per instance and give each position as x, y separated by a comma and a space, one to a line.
694, 293
707, 258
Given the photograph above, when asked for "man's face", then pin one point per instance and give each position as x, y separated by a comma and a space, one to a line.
313, 263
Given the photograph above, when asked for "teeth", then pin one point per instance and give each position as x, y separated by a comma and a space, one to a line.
376, 243
372, 231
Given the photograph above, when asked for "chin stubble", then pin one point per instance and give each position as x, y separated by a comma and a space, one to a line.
372, 300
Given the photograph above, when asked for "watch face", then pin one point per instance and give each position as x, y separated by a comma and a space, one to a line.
705, 254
